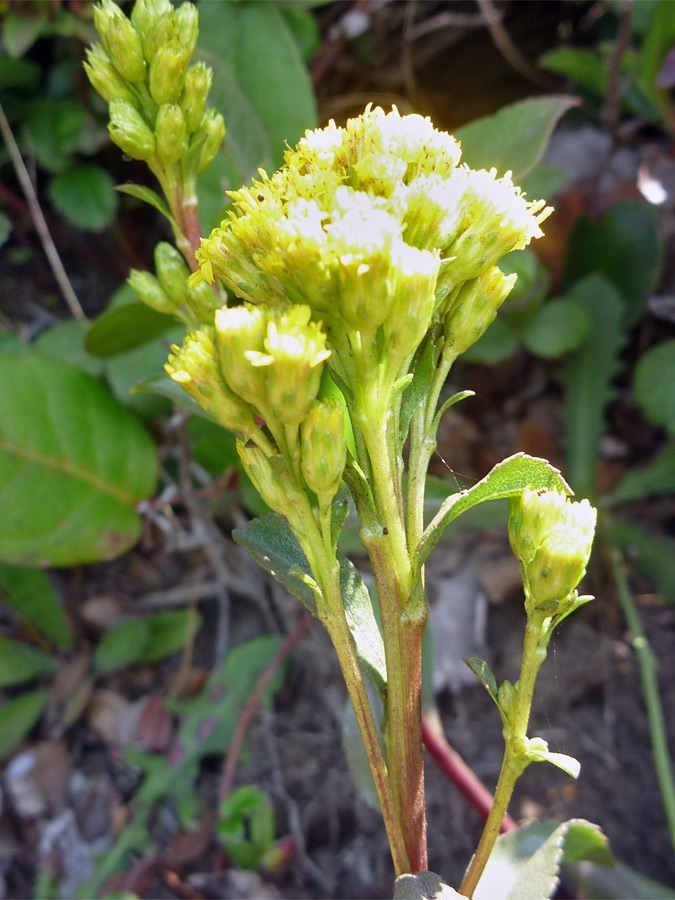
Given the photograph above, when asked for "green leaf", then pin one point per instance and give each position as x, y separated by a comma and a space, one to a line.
170, 630
544, 181
658, 42
31, 596
355, 751
656, 479
508, 478
498, 343
56, 129
125, 327
304, 28
651, 553
654, 385
585, 67
513, 139
587, 376
85, 195
625, 248
20, 663
73, 464
147, 196
122, 645
275, 548
18, 716
568, 764
213, 446
126, 372
65, 342
483, 673
618, 882
423, 886
524, 864
559, 327
18, 73
417, 391
19, 33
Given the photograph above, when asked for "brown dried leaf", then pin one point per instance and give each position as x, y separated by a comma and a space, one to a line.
154, 728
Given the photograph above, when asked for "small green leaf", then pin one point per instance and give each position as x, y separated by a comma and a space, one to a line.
656, 479
567, 763
418, 389
19, 33
147, 196
124, 328
213, 446
585, 67
508, 478
423, 886
65, 440
498, 343
513, 139
122, 646
65, 342
654, 385
559, 327
19, 663
483, 673
524, 864
31, 596
56, 129
651, 553
170, 630
85, 195
18, 716
18, 73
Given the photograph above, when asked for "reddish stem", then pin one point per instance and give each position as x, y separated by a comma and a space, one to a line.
249, 710
458, 772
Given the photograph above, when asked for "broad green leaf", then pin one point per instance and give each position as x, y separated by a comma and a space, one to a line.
304, 28
584, 67
19, 662
19, 33
654, 385
615, 882
423, 886
31, 596
652, 481
125, 327
122, 645
18, 716
651, 553
85, 195
213, 446
544, 181
56, 128
513, 139
508, 478
65, 341
147, 196
169, 632
275, 548
73, 464
625, 248
587, 376
559, 327
657, 43
524, 864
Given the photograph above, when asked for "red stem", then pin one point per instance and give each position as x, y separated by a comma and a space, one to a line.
250, 708
456, 770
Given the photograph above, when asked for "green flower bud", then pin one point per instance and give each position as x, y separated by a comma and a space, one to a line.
241, 330
193, 101
146, 13
213, 124
271, 477
150, 291
203, 303
167, 73
170, 133
294, 349
120, 40
194, 366
172, 271
163, 32
104, 77
129, 132
324, 449
414, 290
473, 306
187, 19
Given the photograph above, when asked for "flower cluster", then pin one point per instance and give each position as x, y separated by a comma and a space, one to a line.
552, 537
157, 100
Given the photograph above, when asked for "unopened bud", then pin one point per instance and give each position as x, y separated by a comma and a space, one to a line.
473, 306
146, 14
170, 133
271, 477
167, 73
203, 302
241, 330
187, 19
324, 449
150, 291
104, 77
193, 101
129, 132
163, 32
172, 271
214, 125
120, 40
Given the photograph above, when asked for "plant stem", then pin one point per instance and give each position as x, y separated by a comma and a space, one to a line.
648, 666
513, 763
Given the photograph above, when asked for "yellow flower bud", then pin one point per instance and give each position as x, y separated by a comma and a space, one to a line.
121, 41
193, 100
163, 32
128, 130
104, 77
271, 477
170, 133
213, 125
324, 449
167, 73
241, 330
146, 13
187, 20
